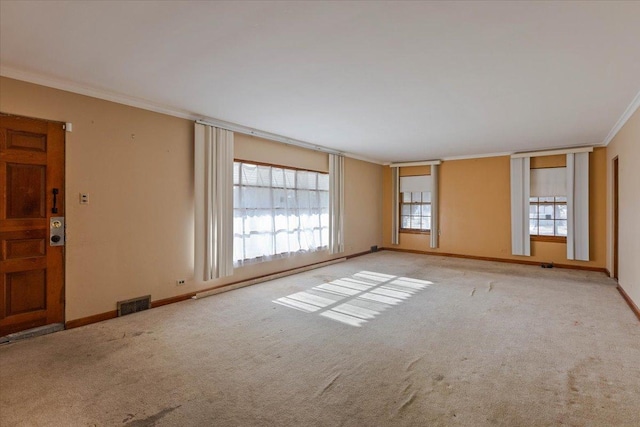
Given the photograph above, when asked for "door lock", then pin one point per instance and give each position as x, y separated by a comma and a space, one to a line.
56, 231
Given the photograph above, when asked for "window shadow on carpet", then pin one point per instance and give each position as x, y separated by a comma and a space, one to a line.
356, 299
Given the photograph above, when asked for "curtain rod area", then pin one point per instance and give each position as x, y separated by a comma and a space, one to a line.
267, 135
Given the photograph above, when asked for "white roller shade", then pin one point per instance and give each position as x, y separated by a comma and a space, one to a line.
418, 184
520, 187
546, 182
578, 206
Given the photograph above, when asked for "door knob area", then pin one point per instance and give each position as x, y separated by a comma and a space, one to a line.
55, 239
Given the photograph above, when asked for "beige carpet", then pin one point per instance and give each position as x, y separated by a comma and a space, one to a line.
383, 339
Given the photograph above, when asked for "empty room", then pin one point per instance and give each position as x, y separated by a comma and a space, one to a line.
319, 213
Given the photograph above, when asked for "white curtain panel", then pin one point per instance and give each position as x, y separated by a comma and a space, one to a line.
578, 206
520, 187
435, 225
336, 203
395, 205
213, 167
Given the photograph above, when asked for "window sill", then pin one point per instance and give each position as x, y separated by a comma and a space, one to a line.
408, 231
552, 239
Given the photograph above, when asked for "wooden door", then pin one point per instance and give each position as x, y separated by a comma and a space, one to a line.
31, 271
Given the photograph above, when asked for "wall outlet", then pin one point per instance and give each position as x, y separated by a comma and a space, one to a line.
180, 282
84, 198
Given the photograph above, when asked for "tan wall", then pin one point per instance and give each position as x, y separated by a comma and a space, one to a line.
626, 147
136, 235
475, 212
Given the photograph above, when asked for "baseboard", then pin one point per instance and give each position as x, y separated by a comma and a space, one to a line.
83, 321
506, 260
171, 300
629, 301
359, 254
260, 279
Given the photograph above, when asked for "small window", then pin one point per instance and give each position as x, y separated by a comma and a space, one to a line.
415, 211
548, 216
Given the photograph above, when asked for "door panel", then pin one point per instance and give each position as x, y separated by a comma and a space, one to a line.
26, 291
26, 191
26, 141
31, 271
25, 248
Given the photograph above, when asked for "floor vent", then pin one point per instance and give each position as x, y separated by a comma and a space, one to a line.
134, 305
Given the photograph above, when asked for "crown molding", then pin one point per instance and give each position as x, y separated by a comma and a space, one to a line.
119, 98
588, 149
623, 119
104, 94
477, 156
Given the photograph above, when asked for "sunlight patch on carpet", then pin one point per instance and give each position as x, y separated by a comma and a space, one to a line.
357, 299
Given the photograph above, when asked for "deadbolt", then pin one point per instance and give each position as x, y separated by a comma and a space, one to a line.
56, 231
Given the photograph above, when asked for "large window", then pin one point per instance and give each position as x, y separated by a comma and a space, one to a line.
278, 211
548, 216
415, 211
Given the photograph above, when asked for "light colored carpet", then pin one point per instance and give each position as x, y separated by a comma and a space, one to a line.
461, 343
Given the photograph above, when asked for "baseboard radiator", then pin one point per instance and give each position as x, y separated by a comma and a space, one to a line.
265, 278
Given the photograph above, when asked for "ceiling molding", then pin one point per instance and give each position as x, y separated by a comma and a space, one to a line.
364, 159
477, 156
69, 86
635, 104
107, 95
266, 135
552, 152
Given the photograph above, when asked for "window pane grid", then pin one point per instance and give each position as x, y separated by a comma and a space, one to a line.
415, 211
548, 216
278, 211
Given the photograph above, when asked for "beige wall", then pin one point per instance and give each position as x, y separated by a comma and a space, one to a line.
626, 147
475, 212
136, 235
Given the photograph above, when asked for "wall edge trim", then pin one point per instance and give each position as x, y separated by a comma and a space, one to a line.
95, 318
626, 115
265, 278
505, 260
627, 298
171, 300
131, 101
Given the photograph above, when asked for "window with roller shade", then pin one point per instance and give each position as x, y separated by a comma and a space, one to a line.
548, 202
415, 203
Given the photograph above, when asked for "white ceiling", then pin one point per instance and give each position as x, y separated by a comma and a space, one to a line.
385, 80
